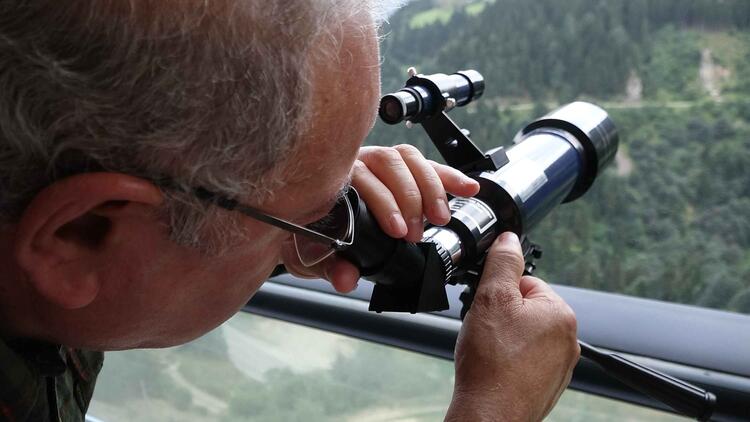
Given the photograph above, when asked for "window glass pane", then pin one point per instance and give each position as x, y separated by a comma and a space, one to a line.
670, 219
258, 369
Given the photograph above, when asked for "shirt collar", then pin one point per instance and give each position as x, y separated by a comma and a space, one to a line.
24, 365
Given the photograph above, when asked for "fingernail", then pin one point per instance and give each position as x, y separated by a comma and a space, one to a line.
398, 225
442, 211
509, 237
416, 228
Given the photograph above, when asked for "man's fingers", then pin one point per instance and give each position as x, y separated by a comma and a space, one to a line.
342, 274
503, 269
434, 200
416, 188
379, 200
455, 182
389, 167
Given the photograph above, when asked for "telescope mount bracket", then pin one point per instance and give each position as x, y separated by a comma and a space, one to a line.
457, 149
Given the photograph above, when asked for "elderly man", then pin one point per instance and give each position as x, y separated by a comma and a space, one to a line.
116, 115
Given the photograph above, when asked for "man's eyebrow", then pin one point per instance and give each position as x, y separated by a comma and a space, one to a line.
344, 190
328, 205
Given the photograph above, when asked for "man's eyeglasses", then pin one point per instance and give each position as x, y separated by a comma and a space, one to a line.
314, 242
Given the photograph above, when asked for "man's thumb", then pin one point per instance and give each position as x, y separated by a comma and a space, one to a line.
504, 265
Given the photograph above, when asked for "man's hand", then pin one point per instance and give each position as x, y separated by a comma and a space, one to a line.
517, 348
401, 188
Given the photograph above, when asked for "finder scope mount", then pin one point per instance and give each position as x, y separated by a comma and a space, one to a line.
554, 159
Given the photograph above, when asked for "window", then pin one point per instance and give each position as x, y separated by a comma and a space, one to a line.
258, 369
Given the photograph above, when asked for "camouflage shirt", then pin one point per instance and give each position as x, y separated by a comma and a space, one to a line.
45, 382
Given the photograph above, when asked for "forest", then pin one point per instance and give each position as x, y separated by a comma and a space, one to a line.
669, 220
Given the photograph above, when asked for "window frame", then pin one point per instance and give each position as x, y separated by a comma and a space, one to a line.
707, 347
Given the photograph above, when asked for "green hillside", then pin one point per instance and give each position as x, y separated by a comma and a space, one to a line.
670, 220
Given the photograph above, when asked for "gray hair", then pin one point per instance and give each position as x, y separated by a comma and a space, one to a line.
212, 94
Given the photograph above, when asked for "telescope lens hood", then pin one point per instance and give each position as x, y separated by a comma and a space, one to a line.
593, 129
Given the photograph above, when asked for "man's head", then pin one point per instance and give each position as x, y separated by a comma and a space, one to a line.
101, 100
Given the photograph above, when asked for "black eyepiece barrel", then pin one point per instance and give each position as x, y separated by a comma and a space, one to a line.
395, 107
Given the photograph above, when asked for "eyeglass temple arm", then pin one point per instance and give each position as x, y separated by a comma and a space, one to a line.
232, 205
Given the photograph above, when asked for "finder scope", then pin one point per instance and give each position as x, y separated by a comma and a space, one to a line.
424, 95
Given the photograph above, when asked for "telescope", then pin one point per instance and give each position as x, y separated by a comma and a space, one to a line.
553, 160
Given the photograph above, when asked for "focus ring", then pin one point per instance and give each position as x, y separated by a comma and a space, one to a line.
445, 256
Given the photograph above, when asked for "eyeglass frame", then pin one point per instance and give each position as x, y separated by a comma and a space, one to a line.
229, 204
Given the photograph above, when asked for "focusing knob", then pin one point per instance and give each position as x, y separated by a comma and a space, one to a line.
445, 255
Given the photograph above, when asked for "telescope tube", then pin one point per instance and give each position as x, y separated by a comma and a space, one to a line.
554, 160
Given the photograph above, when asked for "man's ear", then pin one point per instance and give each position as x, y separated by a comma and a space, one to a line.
60, 234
